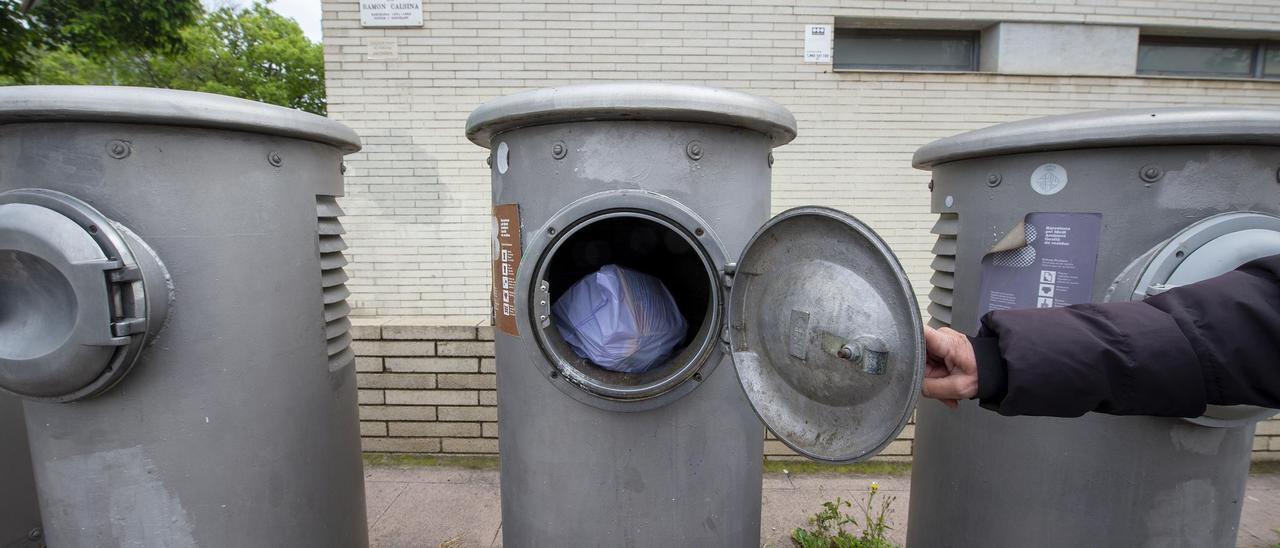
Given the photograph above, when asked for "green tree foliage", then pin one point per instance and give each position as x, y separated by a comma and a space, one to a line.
253, 53
95, 29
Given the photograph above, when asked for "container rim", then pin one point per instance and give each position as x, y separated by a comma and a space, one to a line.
1109, 128
631, 101
166, 107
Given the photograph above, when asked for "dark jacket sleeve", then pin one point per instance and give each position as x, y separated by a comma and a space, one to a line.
1212, 342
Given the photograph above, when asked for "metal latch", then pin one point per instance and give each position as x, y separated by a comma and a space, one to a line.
1156, 289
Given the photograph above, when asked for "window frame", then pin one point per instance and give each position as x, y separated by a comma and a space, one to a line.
1258, 61
973, 36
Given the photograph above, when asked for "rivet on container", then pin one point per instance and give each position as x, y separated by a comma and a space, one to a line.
1150, 173
694, 150
119, 149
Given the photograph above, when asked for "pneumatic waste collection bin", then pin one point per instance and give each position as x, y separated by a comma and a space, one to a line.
172, 311
813, 313
1095, 207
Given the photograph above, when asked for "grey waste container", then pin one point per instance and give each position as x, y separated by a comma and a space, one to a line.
1094, 207
174, 316
813, 311
19, 511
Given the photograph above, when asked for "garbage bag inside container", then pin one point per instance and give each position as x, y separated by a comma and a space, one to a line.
620, 319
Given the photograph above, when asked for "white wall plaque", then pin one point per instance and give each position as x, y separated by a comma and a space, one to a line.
818, 40
391, 13
382, 49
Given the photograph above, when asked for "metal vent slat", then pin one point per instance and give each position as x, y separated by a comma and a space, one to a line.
941, 297
940, 313
332, 244
336, 310
337, 344
327, 206
337, 328
944, 280
943, 263
945, 246
948, 224
330, 261
336, 293
333, 277
329, 226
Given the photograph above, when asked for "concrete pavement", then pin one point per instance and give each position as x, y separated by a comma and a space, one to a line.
430, 506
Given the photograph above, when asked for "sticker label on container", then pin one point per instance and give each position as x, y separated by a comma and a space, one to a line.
506, 260
1047, 260
1049, 179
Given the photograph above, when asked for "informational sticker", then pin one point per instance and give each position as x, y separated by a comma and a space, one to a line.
818, 40
506, 260
1046, 261
1049, 179
382, 49
391, 13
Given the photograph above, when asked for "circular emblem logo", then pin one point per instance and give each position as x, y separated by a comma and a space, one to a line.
1049, 179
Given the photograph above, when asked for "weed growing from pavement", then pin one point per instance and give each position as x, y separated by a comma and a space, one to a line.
829, 524
873, 468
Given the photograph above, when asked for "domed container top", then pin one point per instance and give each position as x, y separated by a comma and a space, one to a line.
1106, 129
631, 101
165, 107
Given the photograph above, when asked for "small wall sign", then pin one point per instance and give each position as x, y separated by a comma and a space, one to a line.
818, 40
391, 13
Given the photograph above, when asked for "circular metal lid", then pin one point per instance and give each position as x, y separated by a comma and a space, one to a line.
631, 101
1109, 128
74, 306
826, 334
166, 107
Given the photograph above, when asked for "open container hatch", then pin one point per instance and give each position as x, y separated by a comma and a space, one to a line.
826, 334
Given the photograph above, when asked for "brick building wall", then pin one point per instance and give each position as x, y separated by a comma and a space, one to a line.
427, 386
418, 194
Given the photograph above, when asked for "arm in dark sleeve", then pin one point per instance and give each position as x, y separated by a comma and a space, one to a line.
1213, 342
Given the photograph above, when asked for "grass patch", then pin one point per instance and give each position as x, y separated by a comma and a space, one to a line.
873, 468
1265, 467
407, 460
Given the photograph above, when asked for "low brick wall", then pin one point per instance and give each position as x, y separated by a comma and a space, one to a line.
428, 386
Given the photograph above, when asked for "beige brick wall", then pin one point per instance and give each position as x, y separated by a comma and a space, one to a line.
418, 195
427, 386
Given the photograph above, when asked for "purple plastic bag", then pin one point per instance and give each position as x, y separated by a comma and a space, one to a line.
620, 319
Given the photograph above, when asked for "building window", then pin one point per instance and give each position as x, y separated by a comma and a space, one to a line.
894, 49
1180, 56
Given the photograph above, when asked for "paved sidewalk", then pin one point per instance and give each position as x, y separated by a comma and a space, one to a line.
430, 506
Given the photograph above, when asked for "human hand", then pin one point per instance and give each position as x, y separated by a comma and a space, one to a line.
951, 368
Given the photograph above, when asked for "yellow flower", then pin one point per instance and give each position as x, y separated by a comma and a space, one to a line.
874, 487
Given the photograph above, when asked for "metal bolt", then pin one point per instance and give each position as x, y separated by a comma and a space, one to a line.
555, 374
558, 150
488, 161
770, 159
543, 317
119, 149
699, 231
275, 159
551, 230
993, 180
1151, 173
844, 353
930, 185
35, 534
697, 377
342, 167
694, 150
